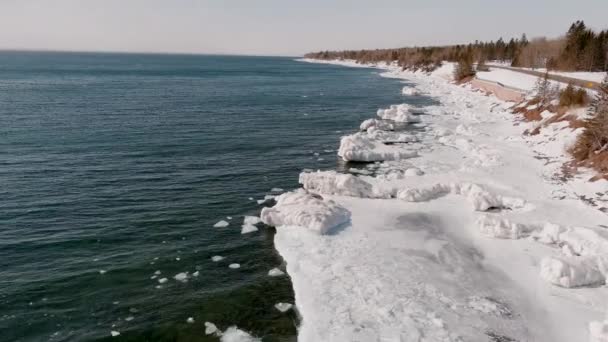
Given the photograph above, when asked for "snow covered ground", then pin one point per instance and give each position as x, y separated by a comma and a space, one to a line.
581, 75
466, 233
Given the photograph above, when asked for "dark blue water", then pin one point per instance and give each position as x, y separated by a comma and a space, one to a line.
123, 163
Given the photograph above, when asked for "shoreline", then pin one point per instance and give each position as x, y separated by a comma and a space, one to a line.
340, 279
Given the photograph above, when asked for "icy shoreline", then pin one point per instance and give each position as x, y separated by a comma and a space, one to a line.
461, 234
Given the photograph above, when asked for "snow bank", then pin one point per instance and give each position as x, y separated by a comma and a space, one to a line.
359, 147
302, 209
598, 331
398, 113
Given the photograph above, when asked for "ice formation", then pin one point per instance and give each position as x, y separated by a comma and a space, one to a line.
275, 272
217, 258
283, 307
234, 334
221, 224
302, 209
398, 113
333, 183
360, 147
410, 91
248, 228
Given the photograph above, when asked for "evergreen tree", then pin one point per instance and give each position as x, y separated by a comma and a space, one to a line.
464, 68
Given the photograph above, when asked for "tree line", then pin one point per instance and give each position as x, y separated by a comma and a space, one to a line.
580, 49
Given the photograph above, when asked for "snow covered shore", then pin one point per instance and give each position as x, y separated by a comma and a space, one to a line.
463, 232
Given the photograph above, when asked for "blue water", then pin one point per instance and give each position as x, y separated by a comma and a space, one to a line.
123, 163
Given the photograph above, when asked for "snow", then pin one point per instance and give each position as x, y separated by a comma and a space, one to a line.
480, 241
302, 209
275, 272
221, 224
283, 307
234, 334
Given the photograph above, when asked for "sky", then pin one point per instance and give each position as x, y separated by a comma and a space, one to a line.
280, 27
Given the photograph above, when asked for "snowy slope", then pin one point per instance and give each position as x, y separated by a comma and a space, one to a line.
471, 239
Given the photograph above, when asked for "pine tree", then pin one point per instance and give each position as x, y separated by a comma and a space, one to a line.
464, 68
543, 88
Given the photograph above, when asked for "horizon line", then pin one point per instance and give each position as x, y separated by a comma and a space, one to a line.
3, 50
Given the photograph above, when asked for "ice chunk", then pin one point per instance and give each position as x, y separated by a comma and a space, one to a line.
102, 271
183, 277
283, 307
251, 220
234, 266
129, 318
549, 234
483, 200
333, 183
221, 224
275, 272
398, 113
190, 320
114, 333
276, 190
377, 124
410, 91
196, 274
571, 272
211, 329
360, 147
217, 258
248, 228
501, 228
162, 280
157, 272
585, 241
302, 209
234, 334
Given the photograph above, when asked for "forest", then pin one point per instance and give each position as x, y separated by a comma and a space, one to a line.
579, 49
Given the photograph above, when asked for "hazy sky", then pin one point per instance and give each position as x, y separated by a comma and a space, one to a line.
279, 27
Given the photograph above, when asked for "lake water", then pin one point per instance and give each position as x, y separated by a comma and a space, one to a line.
123, 163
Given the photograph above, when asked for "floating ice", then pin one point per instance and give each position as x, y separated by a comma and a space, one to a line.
157, 272
162, 280
248, 228
190, 320
114, 333
210, 328
571, 272
221, 224
283, 307
102, 271
196, 274
398, 113
276, 190
234, 266
234, 334
251, 220
302, 209
217, 258
275, 272
183, 277
360, 147
130, 318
